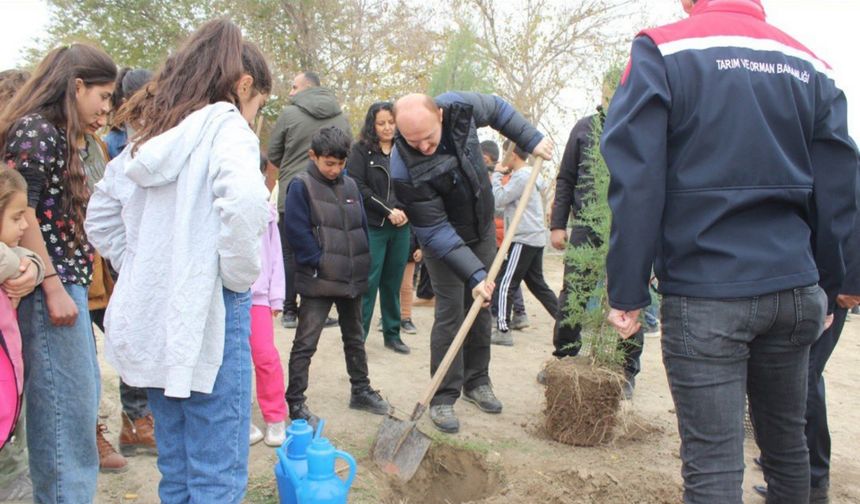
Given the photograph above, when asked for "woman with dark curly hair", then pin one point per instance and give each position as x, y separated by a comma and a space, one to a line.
388, 230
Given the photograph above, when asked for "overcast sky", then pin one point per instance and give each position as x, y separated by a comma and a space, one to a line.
824, 26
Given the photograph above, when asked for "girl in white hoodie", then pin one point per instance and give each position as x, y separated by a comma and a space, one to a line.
180, 214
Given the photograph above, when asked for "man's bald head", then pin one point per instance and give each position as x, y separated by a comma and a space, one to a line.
419, 121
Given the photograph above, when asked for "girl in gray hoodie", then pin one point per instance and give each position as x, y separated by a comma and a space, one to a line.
180, 214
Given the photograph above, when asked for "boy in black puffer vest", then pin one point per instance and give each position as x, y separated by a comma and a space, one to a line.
328, 233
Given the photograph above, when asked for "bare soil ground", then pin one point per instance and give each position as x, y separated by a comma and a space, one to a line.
507, 458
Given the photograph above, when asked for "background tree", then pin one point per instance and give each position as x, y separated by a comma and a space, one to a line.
365, 50
461, 68
137, 33
540, 48
541, 55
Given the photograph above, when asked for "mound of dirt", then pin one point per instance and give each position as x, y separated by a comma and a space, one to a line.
578, 487
448, 475
582, 401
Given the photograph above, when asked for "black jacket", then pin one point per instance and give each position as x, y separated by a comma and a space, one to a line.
327, 231
447, 195
851, 285
572, 184
369, 169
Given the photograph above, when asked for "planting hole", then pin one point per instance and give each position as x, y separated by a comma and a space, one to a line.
447, 475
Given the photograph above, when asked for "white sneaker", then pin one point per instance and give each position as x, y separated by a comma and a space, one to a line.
256, 435
276, 434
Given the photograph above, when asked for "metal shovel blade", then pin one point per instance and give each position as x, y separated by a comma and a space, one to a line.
399, 447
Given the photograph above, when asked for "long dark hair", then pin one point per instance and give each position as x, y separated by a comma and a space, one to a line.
368, 136
204, 70
51, 93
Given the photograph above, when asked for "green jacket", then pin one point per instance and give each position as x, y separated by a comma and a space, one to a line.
307, 112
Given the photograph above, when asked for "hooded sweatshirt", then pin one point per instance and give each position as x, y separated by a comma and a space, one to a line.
268, 290
180, 220
308, 112
531, 230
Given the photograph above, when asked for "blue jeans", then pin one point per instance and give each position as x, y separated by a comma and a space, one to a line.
61, 386
203, 440
715, 351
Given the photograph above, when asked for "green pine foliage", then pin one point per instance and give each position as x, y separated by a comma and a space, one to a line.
587, 302
461, 68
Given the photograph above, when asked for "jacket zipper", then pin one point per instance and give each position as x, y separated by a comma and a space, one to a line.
387, 193
345, 224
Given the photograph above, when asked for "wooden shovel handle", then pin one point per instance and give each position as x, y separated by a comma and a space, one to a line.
442, 370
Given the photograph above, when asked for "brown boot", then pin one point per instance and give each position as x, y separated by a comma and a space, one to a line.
109, 460
137, 436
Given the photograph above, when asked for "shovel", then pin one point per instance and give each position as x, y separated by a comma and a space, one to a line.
400, 447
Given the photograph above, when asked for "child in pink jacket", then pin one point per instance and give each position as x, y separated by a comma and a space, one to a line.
14, 260
268, 293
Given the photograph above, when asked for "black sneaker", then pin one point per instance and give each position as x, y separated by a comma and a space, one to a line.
289, 320
398, 346
444, 419
302, 412
369, 400
408, 327
483, 397
330, 322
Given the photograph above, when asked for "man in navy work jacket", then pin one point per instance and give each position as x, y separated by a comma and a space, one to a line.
734, 175
439, 176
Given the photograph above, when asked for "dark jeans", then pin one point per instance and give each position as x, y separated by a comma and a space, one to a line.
524, 263
290, 296
470, 367
715, 351
567, 339
133, 399
817, 431
632, 348
313, 313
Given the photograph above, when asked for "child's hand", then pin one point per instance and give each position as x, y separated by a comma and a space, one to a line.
417, 255
277, 313
24, 283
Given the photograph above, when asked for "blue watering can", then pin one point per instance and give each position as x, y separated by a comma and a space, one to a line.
321, 485
293, 453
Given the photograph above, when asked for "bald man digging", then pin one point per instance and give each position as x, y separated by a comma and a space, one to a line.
439, 175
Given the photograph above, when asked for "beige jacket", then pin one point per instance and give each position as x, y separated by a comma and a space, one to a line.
10, 258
